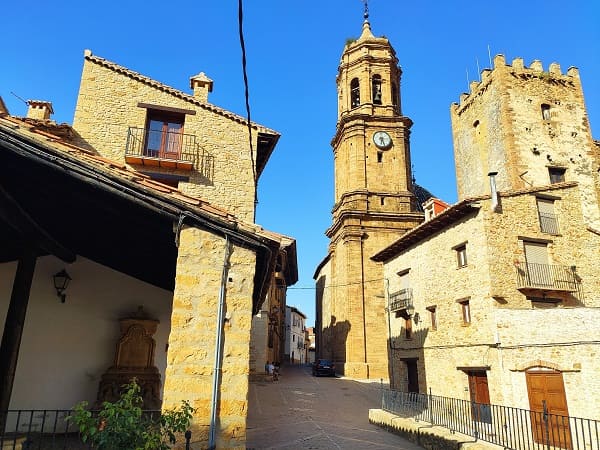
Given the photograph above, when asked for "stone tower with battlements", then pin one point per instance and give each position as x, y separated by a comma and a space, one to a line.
374, 205
531, 127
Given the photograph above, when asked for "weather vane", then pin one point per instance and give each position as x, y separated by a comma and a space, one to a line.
366, 2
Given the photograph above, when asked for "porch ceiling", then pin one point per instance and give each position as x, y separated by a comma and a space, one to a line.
87, 220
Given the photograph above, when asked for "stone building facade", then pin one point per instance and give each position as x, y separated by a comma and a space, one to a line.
268, 326
183, 241
528, 125
174, 137
496, 298
466, 304
375, 202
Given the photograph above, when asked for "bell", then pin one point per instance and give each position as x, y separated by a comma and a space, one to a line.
377, 97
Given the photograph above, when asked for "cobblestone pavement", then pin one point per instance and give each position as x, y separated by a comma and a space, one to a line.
304, 412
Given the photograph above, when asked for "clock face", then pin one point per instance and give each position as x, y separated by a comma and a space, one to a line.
382, 140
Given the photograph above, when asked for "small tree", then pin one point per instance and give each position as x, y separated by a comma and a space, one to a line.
123, 426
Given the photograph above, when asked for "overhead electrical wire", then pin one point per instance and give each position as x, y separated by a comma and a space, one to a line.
247, 95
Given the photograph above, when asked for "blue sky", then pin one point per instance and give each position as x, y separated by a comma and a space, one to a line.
293, 50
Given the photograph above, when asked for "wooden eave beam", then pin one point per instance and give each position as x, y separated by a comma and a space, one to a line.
23, 223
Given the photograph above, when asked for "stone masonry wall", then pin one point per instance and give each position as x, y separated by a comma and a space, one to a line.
190, 359
108, 104
500, 127
508, 334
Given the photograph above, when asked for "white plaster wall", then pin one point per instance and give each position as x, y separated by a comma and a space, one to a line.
66, 347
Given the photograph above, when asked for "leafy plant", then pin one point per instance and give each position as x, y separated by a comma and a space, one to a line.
122, 425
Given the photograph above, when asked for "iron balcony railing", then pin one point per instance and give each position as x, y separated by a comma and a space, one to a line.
50, 430
510, 428
546, 277
401, 299
161, 144
548, 223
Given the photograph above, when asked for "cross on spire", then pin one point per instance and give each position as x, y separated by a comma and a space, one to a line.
366, 14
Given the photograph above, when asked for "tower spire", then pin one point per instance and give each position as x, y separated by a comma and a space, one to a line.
366, 28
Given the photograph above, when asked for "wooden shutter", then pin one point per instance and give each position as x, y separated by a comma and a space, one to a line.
536, 256
404, 280
536, 253
545, 206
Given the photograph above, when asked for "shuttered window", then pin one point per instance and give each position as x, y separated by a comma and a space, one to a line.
536, 257
547, 216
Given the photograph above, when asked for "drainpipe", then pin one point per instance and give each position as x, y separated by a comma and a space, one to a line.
387, 295
218, 348
494, 191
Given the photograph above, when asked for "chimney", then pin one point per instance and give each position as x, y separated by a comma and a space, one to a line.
201, 85
39, 109
494, 191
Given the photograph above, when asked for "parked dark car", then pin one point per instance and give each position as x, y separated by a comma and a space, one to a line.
323, 367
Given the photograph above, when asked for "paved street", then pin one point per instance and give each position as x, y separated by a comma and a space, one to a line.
304, 412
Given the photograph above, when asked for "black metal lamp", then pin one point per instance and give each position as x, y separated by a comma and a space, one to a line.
61, 281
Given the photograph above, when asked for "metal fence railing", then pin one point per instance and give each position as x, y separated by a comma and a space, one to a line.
401, 299
48, 430
511, 428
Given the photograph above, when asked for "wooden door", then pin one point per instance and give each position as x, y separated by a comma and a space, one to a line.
547, 387
480, 396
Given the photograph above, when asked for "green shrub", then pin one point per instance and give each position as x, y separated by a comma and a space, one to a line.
123, 426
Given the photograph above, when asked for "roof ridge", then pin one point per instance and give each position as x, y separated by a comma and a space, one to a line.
171, 90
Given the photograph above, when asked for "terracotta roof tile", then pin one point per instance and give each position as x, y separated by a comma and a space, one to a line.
29, 129
177, 93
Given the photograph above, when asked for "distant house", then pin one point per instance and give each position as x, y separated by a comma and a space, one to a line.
295, 345
147, 201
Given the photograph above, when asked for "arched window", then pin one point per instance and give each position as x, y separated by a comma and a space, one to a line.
376, 89
354, 93
545, 111
394, 95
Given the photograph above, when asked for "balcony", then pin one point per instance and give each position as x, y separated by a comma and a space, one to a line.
545, 278
158, 148
401, 300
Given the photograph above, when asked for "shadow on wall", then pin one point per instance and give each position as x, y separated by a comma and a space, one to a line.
334, 340
406, 358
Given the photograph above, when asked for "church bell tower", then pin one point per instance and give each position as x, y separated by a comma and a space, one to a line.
374, 205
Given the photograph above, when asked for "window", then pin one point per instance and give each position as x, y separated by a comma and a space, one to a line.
466, 311
376, 89
408, 328
547, 217
557, 174
545, 111
294, 338
433, 316
354, 93
164, 133
394, 95
536, 258
379, 157
461, 255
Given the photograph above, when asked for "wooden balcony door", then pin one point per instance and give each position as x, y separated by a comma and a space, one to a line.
164, 135
547, 386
